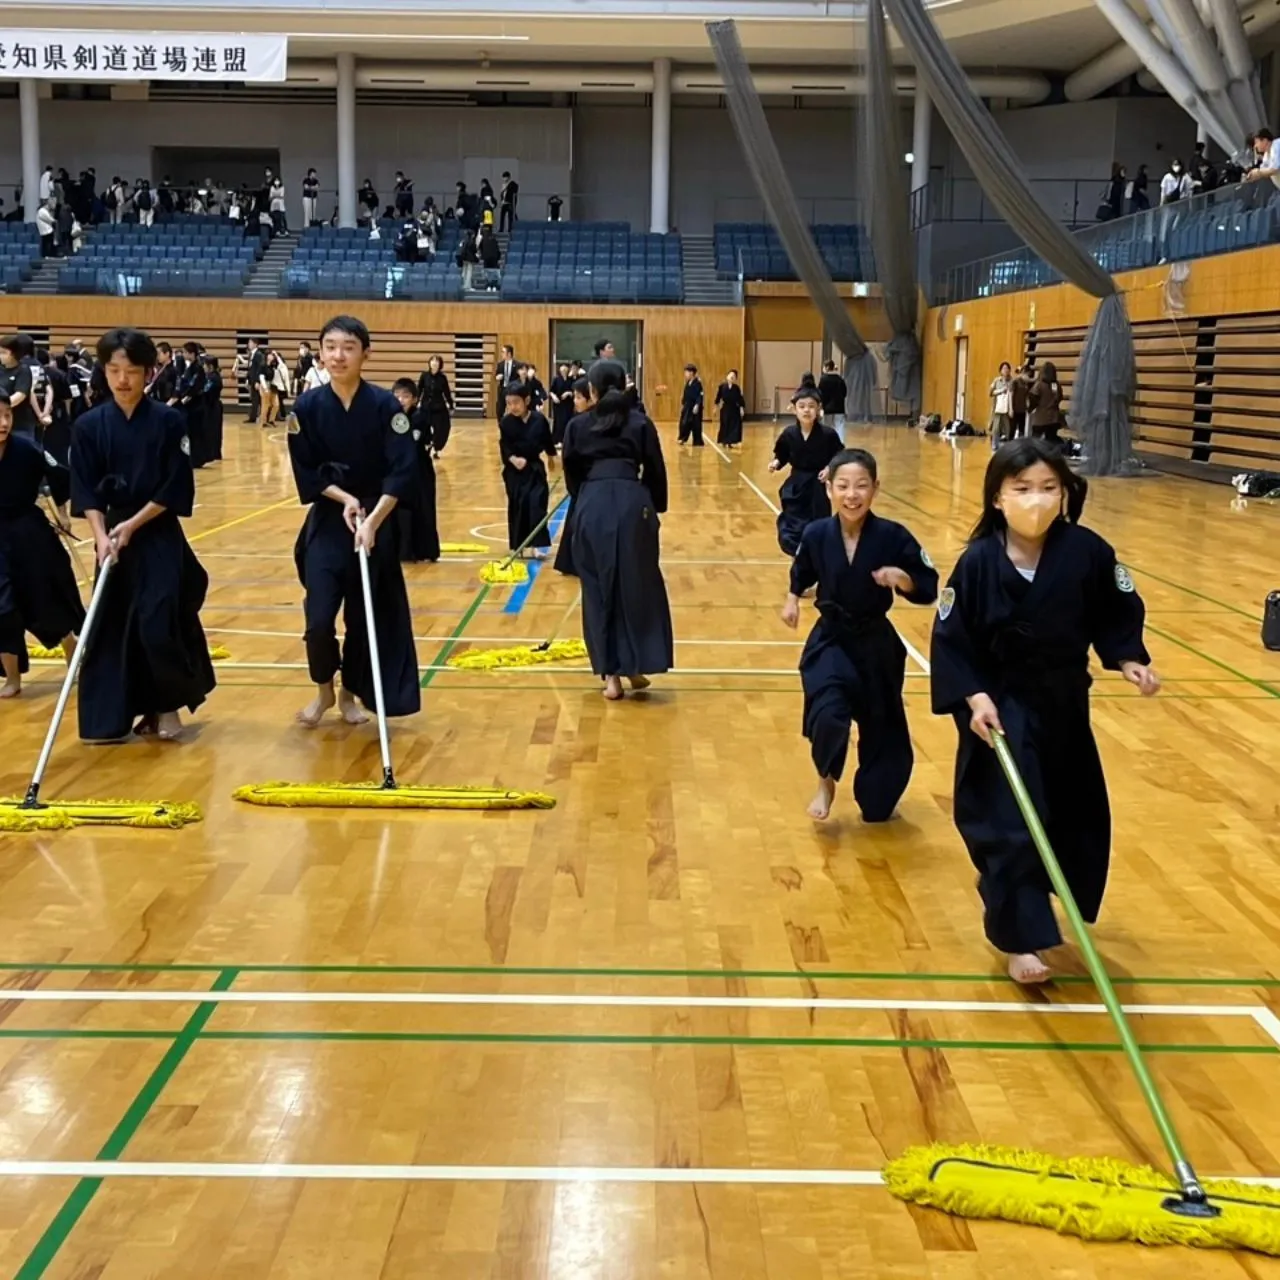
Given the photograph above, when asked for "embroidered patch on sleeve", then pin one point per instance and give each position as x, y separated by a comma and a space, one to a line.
1123, 581
400, 423
946, 602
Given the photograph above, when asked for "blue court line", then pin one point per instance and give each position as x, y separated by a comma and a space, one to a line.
515, 602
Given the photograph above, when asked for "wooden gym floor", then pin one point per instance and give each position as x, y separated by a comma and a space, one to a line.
670, 1028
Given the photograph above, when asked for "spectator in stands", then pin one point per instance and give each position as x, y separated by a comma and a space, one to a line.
1115, 191
467, 258
488, 201
67, 228
1204, 177
403, 195
436, 401
310, 194
368, 202
145, 203
508, 198
46, 188
1267, 151
114, 198
833, 392
1138, 197
490, 252
554, 205
428, 228
277, 207
1176, 184
47, 226
1045, 402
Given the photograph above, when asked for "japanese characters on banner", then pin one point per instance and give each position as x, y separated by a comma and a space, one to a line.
141, 55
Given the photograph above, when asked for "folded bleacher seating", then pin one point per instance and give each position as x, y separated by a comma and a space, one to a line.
19, 254
346, 262
185, 256
591, 262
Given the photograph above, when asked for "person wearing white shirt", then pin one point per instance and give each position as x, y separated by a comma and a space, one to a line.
1267, 150
46, 225
276, 196
46, 184
1176, 184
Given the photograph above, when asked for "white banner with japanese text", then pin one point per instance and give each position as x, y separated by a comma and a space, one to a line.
141, 55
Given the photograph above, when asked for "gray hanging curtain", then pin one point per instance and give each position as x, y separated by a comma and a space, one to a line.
765, 166
1106, 379
890, 214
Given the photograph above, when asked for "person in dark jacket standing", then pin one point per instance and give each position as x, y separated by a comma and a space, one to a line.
833, 392
691, 404
730, 400
435, 400
1021, 391
508, 196
1045, 403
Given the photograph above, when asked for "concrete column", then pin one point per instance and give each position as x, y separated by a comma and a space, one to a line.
346, 139
32, 165
660, 150
921, 132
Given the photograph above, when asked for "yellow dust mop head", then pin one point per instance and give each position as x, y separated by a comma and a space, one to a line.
1095, 1199
462, 548
38, 653
521, 656
374, 795
17, 815
501, 573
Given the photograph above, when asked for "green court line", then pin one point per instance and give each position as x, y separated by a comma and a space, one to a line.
452, 641
1217, 662
64, 1221
745, 1042
603, 971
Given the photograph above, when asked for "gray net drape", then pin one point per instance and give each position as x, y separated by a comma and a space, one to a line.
889, 204
765, 166
1106, 379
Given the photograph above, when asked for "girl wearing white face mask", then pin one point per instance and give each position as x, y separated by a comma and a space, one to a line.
1030, 595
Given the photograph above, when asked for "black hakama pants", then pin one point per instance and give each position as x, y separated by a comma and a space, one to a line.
147, 654
416, 519
441, 425
527, 497
626, 617
329, 570
803, 499
561, 414
213, 429
691, 425
564, 552
857, 679
1049, 734
38, 592
730, 425
201, 448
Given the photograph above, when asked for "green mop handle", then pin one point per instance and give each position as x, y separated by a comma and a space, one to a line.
537, 528
1191, 1188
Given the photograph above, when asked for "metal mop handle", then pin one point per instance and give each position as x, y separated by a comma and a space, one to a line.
73, 669
68, 537
388, 776
1194, 1201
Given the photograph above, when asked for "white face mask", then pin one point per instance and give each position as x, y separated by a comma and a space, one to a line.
1031, 514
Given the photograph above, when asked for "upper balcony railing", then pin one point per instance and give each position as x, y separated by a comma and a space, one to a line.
1075, 202
1230, 218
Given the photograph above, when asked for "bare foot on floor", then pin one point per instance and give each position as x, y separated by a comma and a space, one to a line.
11, 689
639, 682
168, 726
612, 688
352, 711
1029, 970
311, 715
820, 805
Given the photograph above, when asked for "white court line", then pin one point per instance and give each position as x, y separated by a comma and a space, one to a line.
571, 1001
724, 456
508, 640
467, 1173
549, 669
434, 1172
1268, 1022
760, 493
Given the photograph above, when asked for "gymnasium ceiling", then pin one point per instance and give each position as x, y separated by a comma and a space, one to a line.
1044, 35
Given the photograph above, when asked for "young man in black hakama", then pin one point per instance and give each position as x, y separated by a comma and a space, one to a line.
131, 478
352, 450
38, 592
